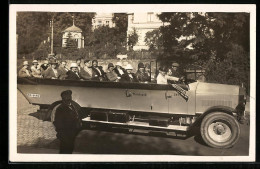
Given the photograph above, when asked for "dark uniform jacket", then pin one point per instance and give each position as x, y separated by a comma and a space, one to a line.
67, 120
72, 76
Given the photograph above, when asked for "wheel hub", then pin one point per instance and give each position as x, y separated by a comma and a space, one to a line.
219, 129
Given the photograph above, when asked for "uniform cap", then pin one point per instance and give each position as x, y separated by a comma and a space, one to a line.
46, 62
66, 93
129, 67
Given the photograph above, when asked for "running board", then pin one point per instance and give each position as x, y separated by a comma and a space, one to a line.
143, 125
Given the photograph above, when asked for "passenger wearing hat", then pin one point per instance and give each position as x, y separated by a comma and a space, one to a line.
119, 70
129, 76
24, 72
98, 70
36, 71
67, 122
73, 73
52, 72
141, 75
111, 74
163, 78
87, 71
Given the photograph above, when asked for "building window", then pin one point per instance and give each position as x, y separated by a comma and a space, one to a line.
99, 22
149, 16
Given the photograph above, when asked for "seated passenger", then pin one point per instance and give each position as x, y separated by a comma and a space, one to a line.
141, 75
73, 73
119, 70
44, 67
111, 74
36, 71
163, 77
78, 61
129, 76
52, 72
87, 72
99, 70
63, 70
24, 72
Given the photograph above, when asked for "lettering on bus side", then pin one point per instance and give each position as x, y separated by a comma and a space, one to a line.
33, 95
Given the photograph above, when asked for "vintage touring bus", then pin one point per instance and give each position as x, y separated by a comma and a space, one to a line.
212, 108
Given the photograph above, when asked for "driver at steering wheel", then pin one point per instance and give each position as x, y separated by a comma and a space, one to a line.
163, 78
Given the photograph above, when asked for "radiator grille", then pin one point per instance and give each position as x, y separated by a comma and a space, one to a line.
216, 102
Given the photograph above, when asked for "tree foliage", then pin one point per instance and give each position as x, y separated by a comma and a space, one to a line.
211, 40
132, 39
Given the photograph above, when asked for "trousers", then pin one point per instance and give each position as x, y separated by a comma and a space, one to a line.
67, 140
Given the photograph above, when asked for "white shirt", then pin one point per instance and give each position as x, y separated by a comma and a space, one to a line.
163, 79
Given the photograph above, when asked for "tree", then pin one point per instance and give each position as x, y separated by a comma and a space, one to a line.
212, 39
132, 39
32, 30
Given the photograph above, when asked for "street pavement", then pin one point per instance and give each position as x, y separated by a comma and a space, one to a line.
38, 136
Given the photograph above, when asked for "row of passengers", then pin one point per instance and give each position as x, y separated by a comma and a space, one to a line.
114, 73
88, 72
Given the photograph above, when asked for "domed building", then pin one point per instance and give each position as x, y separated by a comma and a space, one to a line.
75, 33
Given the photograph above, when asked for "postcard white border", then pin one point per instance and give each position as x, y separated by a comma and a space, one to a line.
15, 157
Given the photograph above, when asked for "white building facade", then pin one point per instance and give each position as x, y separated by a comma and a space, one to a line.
103, 19
75, 33
142, 23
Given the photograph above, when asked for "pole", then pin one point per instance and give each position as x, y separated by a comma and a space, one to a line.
52, 36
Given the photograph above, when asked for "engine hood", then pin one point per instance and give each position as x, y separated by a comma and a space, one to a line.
214, 88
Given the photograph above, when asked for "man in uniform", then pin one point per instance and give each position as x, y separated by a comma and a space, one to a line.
67, 123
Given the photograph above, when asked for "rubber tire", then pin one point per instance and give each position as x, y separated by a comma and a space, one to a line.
229, 120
